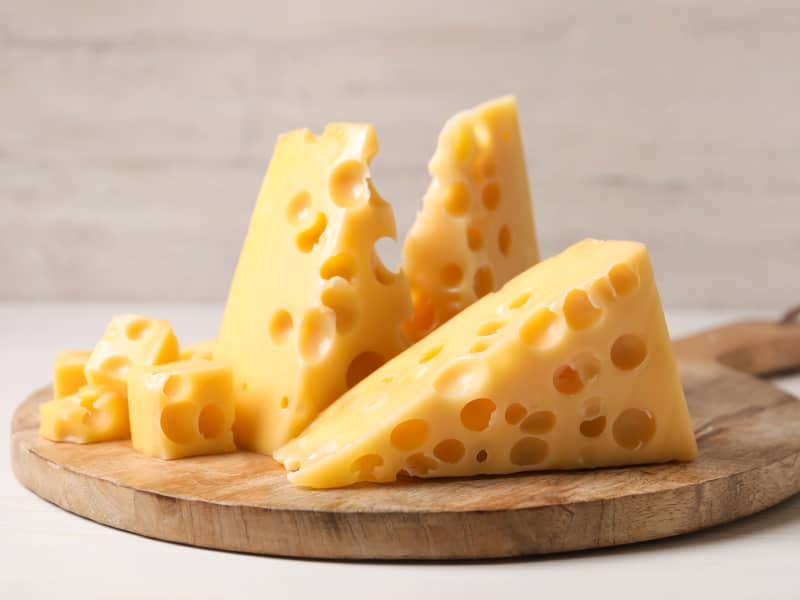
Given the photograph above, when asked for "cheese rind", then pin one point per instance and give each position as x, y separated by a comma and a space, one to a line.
568, 366
127, 341
181, 409
87, 416
200, 350
68, 372
476, 229
311, 308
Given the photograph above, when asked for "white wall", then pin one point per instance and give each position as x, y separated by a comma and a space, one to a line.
133, 136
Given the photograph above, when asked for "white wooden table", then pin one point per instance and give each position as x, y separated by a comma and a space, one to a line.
45, 551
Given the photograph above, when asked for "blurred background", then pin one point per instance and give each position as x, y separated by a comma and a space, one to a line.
134, 136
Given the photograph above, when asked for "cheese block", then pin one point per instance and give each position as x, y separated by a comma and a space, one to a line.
181, 409
68, 372
568, 366
475, 230
129, 340
311, 309
200, 350
87, 416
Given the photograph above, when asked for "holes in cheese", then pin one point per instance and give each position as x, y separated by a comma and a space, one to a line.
451, 275
341, 298
623, 279
308, 238
299, 207
430, 354
365, 466
340, 265
628, 352
490, 196
483, 281
456, 199
348, 184
281, 326
491, 327
89, 415
137, 329
317, 332
361, 366
539, 396
474, 238
504, 240
579, 311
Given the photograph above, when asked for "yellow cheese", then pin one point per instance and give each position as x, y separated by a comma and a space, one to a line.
476, 229
181, 409
87, 416
200, 350
311, 308
568, 366
129, 340
68, 372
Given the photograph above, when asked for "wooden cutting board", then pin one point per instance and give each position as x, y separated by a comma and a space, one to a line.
748, 433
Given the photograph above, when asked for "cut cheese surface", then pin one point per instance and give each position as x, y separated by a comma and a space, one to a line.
476, 229
87, 416
181, 409
200, 350
129, 340
568, 366
311, 309
68, 372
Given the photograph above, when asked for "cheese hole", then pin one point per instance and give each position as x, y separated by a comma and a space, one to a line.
341, 299
481, 456
456, 199
423, 318
483, 167
430, 354
477, 414
539, 422
211, 421
347, 184
515, 413
491, 327
538, 328
420, 464
298, 208
117, 366
504, 240
483, 282
451, 275
474, 238
574, 376
461, 377
450, 451
284, 403
633, 428
491, 196
579, 311
386, 260
281, 326
479, 346
592, 407
178, 422
520, 300
175, 386
528, 451
341, 265
317, 331
365, 466
292, 465
136, 329
361, 366
409, 435
628, 352
593, 427
308, 238
623, 279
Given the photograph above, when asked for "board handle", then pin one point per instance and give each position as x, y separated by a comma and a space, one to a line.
756, 347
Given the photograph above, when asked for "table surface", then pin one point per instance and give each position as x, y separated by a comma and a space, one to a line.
47, 551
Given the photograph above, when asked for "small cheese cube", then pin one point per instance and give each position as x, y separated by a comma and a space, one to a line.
181, 409
87, 416
200, 350
129, 340
68, 372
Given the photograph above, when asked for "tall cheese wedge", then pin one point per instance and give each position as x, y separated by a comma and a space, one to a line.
476, 229
311, 310
568, 366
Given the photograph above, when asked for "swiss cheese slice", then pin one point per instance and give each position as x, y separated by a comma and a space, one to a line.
475, 230
87, 416
311, 309
568, 366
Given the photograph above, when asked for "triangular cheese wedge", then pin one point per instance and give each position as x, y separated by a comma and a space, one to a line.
568, 366
475, 230
311, 310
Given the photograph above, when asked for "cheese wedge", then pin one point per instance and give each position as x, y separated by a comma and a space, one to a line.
311, 309
568, 366
200, 350
181, 409
68, 372
476, 229
87, 416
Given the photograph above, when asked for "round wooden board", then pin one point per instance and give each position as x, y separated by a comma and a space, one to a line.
748, 432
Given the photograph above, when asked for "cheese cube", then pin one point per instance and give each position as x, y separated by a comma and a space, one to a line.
129, 340
568, 366
68, 372
200, 350
181, 409
311, 309
87, 416
475, 230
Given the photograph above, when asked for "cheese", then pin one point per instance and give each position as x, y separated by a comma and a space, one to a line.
476, 229
200, 350
311, 309
181, 409
87, 416
568, 366
129, 340
68, 372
